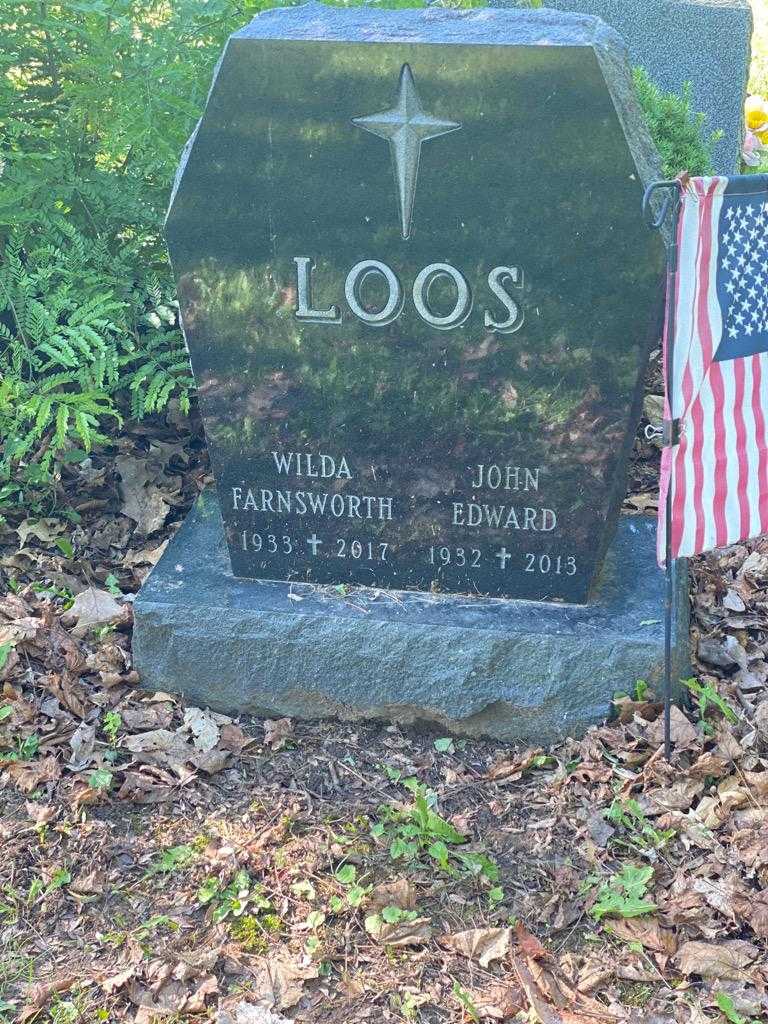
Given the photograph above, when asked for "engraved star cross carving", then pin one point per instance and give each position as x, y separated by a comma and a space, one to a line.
405, 127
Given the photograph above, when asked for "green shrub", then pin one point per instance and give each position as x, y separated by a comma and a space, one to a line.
678, 133
96, 101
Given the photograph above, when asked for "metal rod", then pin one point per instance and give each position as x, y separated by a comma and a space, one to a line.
669, 566
671, 204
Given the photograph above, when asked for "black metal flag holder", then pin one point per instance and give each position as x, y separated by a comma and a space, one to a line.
666, 210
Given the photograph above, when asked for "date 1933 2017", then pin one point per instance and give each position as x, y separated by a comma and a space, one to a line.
440, 556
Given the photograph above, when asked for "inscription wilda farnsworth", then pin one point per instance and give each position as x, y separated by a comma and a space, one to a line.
417, 313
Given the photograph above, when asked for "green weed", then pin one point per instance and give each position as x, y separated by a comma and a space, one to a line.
389, 915
25, 750
726, 1006
304, 889
175, 858
62, 594
70, 1010
101, 632
641, 691
111, 583
111, 723
417, 831
101, 779
252, 931
465, 1001
149, 928
5, 650
706, 696
623, 894
640, 834
11, 901
417, 828
407, 1004
59, 879
233, 899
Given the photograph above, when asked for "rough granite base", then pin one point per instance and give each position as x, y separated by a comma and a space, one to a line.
513, 670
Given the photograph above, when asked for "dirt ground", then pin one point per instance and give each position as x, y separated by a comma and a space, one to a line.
160, 862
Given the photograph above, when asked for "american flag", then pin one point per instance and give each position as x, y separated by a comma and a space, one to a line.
717, 473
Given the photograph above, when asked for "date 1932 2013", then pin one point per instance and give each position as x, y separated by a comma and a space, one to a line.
544, 564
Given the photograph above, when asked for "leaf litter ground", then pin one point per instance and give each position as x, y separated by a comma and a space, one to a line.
163, 862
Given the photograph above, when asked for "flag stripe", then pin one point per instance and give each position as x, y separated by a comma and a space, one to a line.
707, 402
760, 400
742, 458
751, 426
681, 459
717, 475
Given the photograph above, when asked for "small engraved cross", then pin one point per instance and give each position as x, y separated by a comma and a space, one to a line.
503, 556
313, 542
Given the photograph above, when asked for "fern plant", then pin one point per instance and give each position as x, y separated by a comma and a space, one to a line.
74, 337
96, 101
157, 372
59, 332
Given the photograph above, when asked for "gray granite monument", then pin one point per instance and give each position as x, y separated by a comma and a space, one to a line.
704, 42
419, 333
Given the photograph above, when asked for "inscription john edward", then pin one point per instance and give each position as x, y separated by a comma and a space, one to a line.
418, 325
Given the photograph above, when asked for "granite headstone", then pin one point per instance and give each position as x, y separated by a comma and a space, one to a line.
419, 328
419, 297
704, 42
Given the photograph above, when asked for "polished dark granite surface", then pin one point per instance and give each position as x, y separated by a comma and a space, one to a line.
418, 296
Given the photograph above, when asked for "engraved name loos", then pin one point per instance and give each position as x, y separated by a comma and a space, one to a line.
506, 318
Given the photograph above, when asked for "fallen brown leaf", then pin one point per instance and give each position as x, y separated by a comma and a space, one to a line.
683, 733
277, 732
248, 1013
501, 1001
41, 814
233, 739
397, 893
709, 764
92, 608
70, 693
543, 1009
28, 775
162, 745
116, 981
82, 743
143, 502
728, 959
145, 717
401, 933
647, 931
45, 530
142, 789
511, 771
482, 944
529, 944
37, 995
278, 983
203, 727
195, 1001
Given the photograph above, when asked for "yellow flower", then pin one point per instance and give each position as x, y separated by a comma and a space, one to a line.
756, 112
